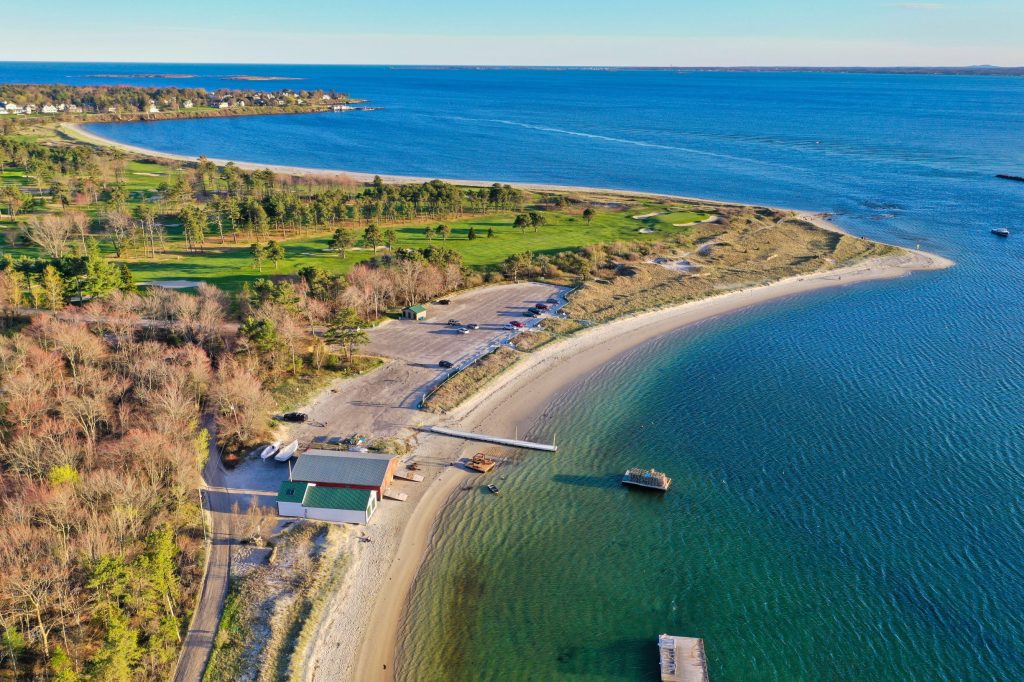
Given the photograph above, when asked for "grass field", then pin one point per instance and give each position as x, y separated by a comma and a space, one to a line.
228, 264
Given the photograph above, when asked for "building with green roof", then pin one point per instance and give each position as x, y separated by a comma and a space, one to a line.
324, 503
415, 312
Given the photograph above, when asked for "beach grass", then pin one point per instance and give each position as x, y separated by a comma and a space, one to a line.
467, 382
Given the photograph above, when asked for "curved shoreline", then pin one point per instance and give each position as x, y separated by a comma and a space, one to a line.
547, 372
76, 131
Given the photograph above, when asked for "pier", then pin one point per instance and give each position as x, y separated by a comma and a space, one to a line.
682, 659
511, 442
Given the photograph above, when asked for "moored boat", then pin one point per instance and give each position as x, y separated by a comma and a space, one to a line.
268, 451
1000, 232
493, 488
646, 478
480, 463
287, 451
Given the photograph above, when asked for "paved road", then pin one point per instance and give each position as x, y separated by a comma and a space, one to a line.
381, 403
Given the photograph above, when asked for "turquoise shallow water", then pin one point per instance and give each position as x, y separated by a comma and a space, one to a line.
848, 465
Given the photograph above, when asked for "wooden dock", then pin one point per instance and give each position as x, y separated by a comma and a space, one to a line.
511, 442
682, 659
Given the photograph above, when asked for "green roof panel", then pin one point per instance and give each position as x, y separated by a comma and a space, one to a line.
323, 497
291, 491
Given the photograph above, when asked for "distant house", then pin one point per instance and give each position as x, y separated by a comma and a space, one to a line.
341, 107
187, 104
357, 470
326, 98
111, 110
29, 109
415, 312
49, 109
153, 109
340, 505
74, 108
223, 105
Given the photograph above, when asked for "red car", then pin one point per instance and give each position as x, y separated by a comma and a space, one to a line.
517, 324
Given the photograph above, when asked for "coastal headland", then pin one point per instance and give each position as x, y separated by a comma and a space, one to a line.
357, 635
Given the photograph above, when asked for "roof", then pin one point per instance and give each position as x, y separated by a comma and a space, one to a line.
291, 491
417, 308
337, 498
342, 468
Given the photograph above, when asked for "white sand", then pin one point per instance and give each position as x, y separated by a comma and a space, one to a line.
357, 639
367, 617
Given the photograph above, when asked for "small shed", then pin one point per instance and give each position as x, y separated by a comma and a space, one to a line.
338, 505
415, 312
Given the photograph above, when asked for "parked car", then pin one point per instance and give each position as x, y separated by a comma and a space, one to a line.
510, 325
297, 417
443, 301
462, 330
542, 306
454, 323
446, 364
474, 325
517, 324
535, 311
552, 301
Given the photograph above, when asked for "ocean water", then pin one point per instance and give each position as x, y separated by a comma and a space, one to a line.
848, 464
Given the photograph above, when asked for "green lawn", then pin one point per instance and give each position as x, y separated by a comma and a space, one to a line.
228, 265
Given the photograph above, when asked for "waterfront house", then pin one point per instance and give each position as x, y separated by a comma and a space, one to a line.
339, 505
223, 105
187, 104
49, 109
111, 110
371, 471
30, 109
415, 312
153, 109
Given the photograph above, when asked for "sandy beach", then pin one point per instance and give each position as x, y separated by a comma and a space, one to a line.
359, 639
75, 130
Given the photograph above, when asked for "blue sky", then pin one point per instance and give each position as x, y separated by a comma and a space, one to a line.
526, 32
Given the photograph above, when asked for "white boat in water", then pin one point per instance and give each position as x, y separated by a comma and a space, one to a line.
268, 451
287, 451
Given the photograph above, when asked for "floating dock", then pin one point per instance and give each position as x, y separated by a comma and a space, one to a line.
511, 442
682, 659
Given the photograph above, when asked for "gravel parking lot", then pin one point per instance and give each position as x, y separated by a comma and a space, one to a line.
429, 341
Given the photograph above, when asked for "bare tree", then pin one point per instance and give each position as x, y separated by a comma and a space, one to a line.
50, 232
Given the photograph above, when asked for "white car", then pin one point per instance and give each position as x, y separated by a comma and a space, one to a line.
463, 330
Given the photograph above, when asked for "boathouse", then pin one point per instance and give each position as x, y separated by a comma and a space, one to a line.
339, 505
415, 312
371, 471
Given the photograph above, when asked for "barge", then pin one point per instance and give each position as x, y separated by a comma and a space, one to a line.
646, 478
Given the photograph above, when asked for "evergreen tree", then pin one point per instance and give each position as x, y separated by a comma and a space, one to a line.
258, 254
274, 252
53, 288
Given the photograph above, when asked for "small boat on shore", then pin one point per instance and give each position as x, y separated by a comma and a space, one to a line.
481, 463
1000, 232
287, 451
494, 489
268, 451
646, 478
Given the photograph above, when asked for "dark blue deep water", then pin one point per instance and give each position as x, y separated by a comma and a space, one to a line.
849, 464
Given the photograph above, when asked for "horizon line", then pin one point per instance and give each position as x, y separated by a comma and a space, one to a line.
986, 67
